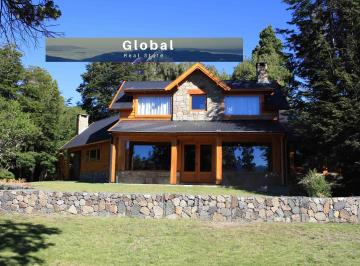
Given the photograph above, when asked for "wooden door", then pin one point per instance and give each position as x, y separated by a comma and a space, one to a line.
197, 162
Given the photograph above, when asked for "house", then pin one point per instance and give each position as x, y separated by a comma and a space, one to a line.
194, 129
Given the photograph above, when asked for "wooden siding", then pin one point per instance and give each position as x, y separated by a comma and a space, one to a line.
94, 166
265, 114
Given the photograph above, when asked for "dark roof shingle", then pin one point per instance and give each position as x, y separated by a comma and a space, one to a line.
249, 84
96, 131
158, 126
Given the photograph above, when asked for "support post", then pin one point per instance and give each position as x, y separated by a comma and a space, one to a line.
112, 166
121, 154
282, 154
218, 160
174, 160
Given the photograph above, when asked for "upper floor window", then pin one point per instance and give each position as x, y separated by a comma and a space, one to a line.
154, 105
242, 105
198, 102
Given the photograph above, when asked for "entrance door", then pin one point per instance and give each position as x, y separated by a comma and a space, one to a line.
198, 163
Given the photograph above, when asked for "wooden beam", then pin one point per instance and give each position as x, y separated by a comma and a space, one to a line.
122, 154
174, 161
112, 167
218, 160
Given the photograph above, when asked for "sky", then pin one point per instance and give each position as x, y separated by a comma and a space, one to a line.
156, 18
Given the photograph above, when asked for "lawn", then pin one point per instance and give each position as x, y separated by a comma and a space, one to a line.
138, 188
59, 240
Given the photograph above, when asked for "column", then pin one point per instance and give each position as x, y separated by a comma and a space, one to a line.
174, 160
218, 160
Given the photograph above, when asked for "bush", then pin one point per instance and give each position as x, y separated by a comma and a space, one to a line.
5, 174
315, 184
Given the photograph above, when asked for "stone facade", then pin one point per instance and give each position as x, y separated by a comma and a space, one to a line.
143, 177
94, 176
206, 207
181, 99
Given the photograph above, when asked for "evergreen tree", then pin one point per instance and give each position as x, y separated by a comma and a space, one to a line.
35, 122
325, 45
247, 158
26, 20
269, 50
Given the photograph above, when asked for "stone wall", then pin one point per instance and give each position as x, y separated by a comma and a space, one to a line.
94, 176
215, 208
181, 99
143, 177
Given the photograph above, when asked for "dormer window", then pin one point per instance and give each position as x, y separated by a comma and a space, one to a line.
242, 105
154, 105
198, 102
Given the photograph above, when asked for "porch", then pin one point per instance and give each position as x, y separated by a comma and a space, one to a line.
236, 159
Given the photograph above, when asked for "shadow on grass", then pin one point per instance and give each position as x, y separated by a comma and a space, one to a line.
19, 240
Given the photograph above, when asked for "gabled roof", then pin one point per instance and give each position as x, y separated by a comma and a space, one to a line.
145, 85
192, 69
123, 97
97, 131
166, 126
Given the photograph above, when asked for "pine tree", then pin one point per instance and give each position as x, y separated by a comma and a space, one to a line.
269, 50
325, 45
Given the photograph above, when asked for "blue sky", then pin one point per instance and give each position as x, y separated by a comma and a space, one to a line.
157, 18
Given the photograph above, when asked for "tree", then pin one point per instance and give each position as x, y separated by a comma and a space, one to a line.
247, 158
269, 50
26, 19
11, 71
16, 129
40, 97
246, 70
325, 42
35, 122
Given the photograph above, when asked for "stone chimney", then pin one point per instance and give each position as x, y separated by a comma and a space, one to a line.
261, 72
82, 123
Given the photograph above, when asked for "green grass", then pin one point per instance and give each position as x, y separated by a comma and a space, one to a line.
59, 240
138, 188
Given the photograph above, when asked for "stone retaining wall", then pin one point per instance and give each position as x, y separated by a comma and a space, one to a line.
216, 208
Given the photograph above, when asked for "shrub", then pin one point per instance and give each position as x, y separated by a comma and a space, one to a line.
315, 184
5, 174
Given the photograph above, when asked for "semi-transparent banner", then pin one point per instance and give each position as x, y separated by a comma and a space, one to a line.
144, 50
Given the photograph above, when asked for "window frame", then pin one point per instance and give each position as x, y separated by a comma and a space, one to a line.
260, 100
191, 102
129, 158
270, 162
95, 158
136, 105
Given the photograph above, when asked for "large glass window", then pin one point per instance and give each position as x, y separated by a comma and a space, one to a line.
242, 105
198, 102
205, 158
154, 105
246, 157
148, 156
189, 157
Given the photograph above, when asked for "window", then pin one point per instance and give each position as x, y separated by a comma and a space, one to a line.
148, 156
198, 102
93, 155
154, 105
242, 105
246, 157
